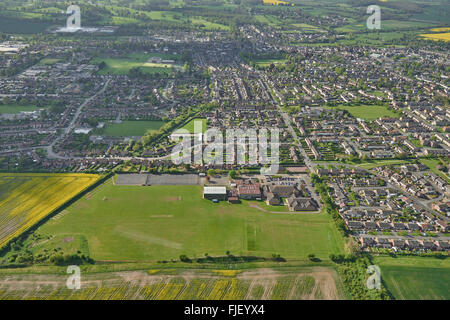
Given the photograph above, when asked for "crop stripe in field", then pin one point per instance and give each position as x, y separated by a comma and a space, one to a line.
171, 290
219, 289
237, 290
194, 289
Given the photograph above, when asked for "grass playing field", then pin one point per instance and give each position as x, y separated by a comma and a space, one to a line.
25, 199
162, 222
368, 112
15, 109
378, 163
432, 164
123, 65
131, 128
416, 277
268, 62
49, 61
190, 125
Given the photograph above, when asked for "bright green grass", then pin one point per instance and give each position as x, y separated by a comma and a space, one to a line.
432, 164
123, 66
377, 163
137, 60
145, 56
49, 61
268, 19
385, 25
190, 125
416, 277
204, 24
152, 223
169, 16
123, 20
131, 128
304, 26
407, 283
368, 112
15, 109
268, 62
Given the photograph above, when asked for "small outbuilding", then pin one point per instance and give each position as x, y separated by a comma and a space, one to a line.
219, 193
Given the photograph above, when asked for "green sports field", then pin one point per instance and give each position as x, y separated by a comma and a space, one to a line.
432, 164
378, 163
368, 112
416, 277
190, 125
268, 62
49, 61
123, 65
162, 222
131, 128
15, 109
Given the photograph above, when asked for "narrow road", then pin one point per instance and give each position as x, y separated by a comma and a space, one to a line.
49, 149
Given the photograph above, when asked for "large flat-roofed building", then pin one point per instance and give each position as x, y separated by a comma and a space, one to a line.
219, 193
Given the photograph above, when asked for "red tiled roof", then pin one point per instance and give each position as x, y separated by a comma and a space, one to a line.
249, 189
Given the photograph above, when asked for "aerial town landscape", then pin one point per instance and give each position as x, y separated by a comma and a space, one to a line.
330, 157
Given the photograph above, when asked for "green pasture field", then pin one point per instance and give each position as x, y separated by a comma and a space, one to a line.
368, 112
131, 128
169, 16
190, 125
208, 25
137, 60
385, 25
432, 164
49, 61
378, 163
15, 109
421, 278
155, 223
268, 19
268, 62
123, 66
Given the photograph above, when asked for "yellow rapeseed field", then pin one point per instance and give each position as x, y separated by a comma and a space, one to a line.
275, 2
228, 273
444, 29
25, 199
437, 36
